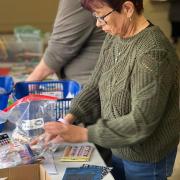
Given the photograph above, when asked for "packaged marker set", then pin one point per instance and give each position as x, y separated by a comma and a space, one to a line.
14, 153
78, 153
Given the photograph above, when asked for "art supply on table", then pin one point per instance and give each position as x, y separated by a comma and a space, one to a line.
77, 153
104, 170
4, 139
81, 173
49, 164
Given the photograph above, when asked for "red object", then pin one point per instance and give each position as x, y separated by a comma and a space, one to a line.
31, 97
4, 71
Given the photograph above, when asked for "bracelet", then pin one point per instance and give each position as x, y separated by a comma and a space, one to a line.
62, 120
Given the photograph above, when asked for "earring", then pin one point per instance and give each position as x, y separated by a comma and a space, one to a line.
130, 19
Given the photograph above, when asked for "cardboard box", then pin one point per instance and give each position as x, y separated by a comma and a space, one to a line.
25, 172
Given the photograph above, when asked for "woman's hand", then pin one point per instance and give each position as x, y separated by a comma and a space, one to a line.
69, 133
47, 138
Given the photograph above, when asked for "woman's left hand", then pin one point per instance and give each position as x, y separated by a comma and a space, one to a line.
68, 132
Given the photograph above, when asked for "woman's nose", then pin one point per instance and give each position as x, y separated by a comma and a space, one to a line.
98, 23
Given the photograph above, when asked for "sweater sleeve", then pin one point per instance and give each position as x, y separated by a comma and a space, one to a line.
72, 28
151, 81
87, 103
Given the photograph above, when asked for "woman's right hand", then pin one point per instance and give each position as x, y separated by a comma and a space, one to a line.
69, 118
55, 139
47, 138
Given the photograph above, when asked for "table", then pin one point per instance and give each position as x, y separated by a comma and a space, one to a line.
61, 166
96, 159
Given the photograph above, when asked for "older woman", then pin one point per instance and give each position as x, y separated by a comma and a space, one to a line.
134, 87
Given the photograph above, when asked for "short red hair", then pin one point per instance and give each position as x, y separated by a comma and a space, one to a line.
114, 4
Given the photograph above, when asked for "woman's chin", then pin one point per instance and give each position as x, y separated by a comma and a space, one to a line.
109, 32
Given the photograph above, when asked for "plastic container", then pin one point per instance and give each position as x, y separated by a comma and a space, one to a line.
2, 124
64, 90
27, 32
17, 50
4, 71
61, 89
6, 87
6, 83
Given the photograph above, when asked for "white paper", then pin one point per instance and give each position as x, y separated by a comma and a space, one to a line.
49, 164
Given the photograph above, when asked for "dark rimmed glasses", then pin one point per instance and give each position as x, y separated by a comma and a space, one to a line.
101, 19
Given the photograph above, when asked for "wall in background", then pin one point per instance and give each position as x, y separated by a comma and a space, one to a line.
39, 13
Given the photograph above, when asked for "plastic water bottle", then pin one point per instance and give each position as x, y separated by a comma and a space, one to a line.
2, 91
10, 100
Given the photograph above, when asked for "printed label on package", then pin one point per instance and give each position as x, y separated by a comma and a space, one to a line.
32, 124
58, 94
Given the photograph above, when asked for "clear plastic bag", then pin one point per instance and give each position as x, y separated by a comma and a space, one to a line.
29, 115
14, 154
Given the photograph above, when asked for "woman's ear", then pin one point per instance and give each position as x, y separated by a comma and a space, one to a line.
128, 8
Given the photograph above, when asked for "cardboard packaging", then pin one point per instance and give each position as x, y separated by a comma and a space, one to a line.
25, 172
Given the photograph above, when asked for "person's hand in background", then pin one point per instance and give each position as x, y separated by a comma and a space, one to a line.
40, 72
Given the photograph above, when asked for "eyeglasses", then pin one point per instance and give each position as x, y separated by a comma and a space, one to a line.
101, 19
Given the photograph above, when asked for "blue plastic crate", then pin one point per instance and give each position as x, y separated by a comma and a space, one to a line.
62, 89
65, 90
6, 82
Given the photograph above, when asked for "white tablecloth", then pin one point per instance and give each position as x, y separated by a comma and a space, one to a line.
61, 166
96, 159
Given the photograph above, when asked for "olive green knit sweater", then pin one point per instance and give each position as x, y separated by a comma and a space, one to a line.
134, 88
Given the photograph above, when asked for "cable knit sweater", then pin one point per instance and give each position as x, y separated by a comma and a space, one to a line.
134, 88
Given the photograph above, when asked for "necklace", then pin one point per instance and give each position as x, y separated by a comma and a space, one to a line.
143, 26
119, 50
117, 56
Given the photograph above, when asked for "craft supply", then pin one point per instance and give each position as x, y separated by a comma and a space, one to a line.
104, 170
49, 164
77, 153
81, 173
4, 139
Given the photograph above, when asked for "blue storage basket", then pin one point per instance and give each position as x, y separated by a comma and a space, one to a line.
67, 88
63, 88
6, 82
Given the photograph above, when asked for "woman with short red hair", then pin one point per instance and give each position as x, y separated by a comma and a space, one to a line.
135, 89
